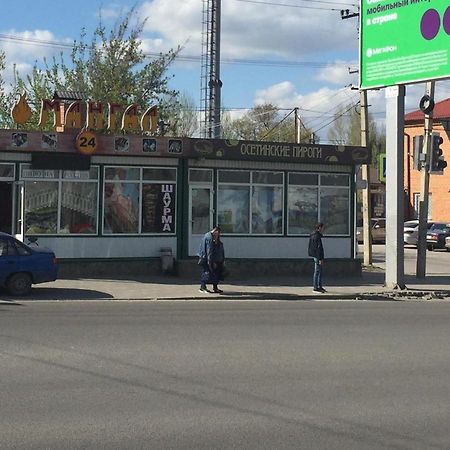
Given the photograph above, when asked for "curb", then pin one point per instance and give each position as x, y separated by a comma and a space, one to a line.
368, 296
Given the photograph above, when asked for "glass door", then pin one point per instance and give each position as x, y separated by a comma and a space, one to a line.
200, 215
19, 210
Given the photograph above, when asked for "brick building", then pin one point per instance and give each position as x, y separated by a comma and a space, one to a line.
439, 200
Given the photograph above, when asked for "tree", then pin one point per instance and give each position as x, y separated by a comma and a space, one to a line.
183, 120
346, 130
6, 98
111, 68
264, 123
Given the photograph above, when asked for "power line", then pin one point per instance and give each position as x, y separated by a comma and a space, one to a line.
298, 6
337, 117
187, 58
278, 124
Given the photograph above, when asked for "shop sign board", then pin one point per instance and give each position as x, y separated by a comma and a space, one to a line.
280, 152
88, 115
403, 41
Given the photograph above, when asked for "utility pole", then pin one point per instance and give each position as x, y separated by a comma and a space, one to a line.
395, 179
365, 168
425, 183
365, 175
297, 125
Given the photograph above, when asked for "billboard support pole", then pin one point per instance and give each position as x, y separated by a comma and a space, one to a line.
365, 175
421, 262
395, 118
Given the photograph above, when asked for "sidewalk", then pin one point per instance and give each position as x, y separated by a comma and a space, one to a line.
368, 287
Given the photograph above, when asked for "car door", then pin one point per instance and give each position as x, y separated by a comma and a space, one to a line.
8, 258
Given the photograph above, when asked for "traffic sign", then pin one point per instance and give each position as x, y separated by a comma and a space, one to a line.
382, 167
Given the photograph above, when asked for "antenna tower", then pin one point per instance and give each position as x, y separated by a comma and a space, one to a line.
210, 70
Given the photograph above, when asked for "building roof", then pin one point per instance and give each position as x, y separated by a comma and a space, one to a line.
441, 111
69, 95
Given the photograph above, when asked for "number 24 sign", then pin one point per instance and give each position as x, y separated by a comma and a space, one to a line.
86, 142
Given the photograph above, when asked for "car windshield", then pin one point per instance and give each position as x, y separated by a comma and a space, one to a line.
412, 224
439, 226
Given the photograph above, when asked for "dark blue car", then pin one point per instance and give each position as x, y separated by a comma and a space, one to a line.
21, 265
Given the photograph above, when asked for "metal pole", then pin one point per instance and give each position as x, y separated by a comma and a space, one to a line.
217, 82
424, 189
395, 118
297, 125
365, 175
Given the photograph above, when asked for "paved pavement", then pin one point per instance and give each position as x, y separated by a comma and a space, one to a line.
368, 287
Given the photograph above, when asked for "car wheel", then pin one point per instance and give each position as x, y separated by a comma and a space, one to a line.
19, 284
430, 247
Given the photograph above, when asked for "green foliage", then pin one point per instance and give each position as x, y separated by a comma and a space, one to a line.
112, 67
346, 130
6, 98
264, 123
183, 119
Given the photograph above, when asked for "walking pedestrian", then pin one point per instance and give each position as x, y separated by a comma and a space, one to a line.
217, 263
315, 250
205, 252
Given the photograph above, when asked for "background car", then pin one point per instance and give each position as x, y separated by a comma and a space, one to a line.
378, 230
21, 265
411, 231
447, 243
437, 234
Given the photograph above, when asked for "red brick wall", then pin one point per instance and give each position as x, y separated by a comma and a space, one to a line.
439, 184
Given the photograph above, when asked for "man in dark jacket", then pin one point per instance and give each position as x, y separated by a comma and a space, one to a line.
315, 249
205, 253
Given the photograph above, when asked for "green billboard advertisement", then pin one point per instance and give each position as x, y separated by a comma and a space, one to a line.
403, 41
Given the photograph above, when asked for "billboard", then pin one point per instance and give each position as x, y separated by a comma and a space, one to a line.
403, 41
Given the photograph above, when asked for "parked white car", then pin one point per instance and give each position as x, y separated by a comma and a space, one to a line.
411, 231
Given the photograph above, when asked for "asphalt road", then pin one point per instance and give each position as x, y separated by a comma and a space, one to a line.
235, 375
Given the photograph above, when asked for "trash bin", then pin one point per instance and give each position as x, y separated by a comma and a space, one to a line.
166, 260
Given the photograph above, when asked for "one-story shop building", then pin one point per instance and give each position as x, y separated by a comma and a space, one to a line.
117, 196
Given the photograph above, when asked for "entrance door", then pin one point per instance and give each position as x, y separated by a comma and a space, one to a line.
6, 207
19, 210
200, 215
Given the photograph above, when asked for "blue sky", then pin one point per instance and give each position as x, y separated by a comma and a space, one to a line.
308, 46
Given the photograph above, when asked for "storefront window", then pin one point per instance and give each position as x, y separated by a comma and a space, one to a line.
122, 173
158, 208
78, 208
334, 210
60, 201
233, 208
335, 203
303, 202
6, 171
250, 202
121, 206
303, 209
139, 200
41, 207
314, 198
267, 210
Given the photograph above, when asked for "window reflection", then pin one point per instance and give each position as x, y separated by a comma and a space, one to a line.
303, 209
267, 210
233, 208
41, 207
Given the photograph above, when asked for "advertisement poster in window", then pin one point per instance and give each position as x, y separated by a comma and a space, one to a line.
121, 207
158, 208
